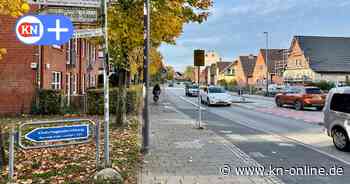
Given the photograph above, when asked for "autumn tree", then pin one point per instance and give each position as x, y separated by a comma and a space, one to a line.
188, 74
170, 73
126, 34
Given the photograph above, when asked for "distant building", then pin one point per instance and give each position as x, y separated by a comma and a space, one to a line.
316, 58
228, 73
244, 70
276, 64
215, 70
211, 57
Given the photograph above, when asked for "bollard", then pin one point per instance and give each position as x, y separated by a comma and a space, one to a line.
11, 153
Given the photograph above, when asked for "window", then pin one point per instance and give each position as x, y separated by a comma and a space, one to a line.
82, 47
74, 83
216, 90
56, 80
341, 103
71, 51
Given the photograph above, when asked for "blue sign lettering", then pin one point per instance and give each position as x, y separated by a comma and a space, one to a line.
59, 133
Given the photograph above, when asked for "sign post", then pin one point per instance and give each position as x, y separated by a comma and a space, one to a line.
199, 60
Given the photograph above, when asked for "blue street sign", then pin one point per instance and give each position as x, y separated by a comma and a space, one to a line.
58, 133
44, 29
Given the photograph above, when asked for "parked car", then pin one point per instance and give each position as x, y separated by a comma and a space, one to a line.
337, 117
215, 96
191, 90
301, 97
274, 89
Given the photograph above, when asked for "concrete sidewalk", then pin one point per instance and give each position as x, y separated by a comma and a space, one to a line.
180, 153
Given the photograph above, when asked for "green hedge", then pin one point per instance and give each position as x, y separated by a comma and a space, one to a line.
95, 100
48, 102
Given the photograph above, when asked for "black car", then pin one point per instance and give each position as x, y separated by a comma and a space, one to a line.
192, 90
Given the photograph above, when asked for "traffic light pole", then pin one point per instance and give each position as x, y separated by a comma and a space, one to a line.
146, 126
107, 162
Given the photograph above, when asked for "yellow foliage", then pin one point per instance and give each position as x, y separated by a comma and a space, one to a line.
13, 8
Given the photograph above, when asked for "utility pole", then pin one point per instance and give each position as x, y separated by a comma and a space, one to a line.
267, 63
104, 21
145, 127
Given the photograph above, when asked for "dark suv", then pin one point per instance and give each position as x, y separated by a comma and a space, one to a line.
192, 90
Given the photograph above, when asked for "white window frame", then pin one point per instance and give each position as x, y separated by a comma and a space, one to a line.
57, 46
56, 80
69, 52
75, 86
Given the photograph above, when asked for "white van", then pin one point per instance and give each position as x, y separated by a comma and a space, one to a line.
337, 117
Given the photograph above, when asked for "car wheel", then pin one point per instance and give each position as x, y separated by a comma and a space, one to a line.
298, 105
279, 102
340, 139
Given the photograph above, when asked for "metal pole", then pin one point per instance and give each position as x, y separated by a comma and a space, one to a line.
11, 153
97, 129
145, 127
267, 63
106, 84
199, 102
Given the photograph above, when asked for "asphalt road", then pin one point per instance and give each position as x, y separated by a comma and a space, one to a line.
272, 139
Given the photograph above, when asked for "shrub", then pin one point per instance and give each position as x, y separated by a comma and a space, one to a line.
324, 85
49, 102
95, 100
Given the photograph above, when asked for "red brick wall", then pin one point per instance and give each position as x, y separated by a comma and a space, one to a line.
17, 79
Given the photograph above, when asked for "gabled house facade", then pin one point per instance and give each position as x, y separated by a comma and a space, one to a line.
228, 73
215, 70
273, 68
315, 58
244, 70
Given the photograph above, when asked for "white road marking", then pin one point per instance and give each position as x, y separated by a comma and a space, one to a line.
286, 144
226, 131
246, 124
236, 137
194, 104
256, 154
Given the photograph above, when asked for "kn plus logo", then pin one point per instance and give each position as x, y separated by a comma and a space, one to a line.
44, 29
29, 29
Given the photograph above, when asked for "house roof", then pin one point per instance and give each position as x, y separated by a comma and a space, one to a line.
248, 64
326, 54
223, 64
274, 56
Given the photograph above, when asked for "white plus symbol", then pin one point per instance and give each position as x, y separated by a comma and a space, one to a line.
58, 30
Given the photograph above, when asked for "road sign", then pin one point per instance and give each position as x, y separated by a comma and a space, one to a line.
44, 29
58, 133
199, 57
88, 33
76, 14
78, 3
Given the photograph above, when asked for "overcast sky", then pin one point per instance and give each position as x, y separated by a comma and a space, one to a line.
236, 27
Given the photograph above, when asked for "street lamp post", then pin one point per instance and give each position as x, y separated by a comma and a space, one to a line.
266, 61
145, 127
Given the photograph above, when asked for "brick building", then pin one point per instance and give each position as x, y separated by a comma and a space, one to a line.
244, 70
71, 68
276, 63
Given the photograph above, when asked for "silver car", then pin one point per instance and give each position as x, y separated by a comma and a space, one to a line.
337, 117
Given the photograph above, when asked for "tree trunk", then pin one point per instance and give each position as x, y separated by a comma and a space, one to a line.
121, 99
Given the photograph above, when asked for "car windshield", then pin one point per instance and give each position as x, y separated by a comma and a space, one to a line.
194, 87
313, 91
216, 90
